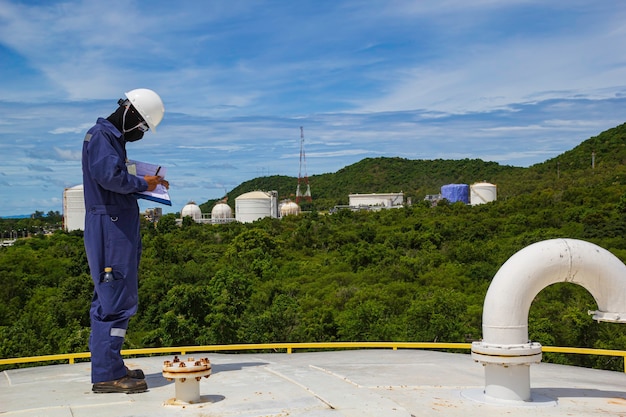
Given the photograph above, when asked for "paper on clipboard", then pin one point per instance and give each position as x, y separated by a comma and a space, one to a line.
160, 193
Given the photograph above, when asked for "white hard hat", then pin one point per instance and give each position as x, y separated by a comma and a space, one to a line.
148, 104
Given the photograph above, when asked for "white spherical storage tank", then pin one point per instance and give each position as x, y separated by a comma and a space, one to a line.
289, 208
255, 205
74, 208
192, 210
221, 211
482, 192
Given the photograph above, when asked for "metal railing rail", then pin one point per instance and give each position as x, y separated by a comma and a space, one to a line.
290, 347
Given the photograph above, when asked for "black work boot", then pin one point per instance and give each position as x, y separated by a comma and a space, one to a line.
125, 385
135, 373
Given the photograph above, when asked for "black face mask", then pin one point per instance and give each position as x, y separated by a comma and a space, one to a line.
126, 122
133, 136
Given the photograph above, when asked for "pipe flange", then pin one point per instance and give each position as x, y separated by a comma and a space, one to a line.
521, 354
608, 317
190, 368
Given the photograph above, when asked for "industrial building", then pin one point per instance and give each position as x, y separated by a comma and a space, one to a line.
373, 201
153, 215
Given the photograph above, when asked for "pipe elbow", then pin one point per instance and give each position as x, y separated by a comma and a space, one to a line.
527, 272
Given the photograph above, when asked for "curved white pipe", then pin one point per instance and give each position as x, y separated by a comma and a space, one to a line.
505, 350
526, 273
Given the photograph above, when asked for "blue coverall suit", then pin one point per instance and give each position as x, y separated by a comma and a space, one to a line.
112, 238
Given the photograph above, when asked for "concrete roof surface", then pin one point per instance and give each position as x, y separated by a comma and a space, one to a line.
376, 382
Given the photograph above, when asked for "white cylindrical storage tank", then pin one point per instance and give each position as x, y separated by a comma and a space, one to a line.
254, 205
74, 208
482, 192
221, 211
289, 208
192, 210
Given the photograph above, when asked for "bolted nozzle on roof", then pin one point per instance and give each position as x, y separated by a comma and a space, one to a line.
187, 375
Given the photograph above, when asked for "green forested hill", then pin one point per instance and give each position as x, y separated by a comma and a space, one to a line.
415, 178
418, 273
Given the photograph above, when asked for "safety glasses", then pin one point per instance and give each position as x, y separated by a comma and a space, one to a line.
142, 126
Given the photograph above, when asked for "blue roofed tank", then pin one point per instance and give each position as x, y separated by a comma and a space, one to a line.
455, 193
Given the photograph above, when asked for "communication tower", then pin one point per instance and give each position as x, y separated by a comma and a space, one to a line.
302, 181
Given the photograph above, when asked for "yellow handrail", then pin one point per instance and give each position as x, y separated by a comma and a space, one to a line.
289, 347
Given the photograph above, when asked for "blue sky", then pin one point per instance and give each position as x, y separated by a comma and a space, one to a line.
512, 81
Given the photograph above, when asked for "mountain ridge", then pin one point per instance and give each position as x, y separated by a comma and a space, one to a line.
599, 155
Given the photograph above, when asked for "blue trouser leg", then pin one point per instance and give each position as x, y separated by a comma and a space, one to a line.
111, 241
105, 343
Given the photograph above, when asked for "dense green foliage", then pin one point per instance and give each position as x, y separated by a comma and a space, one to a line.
418, 273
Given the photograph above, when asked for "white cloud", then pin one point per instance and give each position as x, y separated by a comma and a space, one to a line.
76, 129
68, 154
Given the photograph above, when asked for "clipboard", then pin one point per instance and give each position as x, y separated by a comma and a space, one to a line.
160, 194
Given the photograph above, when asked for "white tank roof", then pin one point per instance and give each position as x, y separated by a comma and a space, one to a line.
221, 211
192, 210
254, 195
369, 382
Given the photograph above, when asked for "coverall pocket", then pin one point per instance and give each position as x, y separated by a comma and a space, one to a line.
111, 294
122, 240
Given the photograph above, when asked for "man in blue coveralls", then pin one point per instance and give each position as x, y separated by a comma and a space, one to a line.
112, 237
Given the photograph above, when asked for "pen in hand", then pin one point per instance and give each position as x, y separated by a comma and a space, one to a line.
154, 180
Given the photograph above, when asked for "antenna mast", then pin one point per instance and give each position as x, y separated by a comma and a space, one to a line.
305, 180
